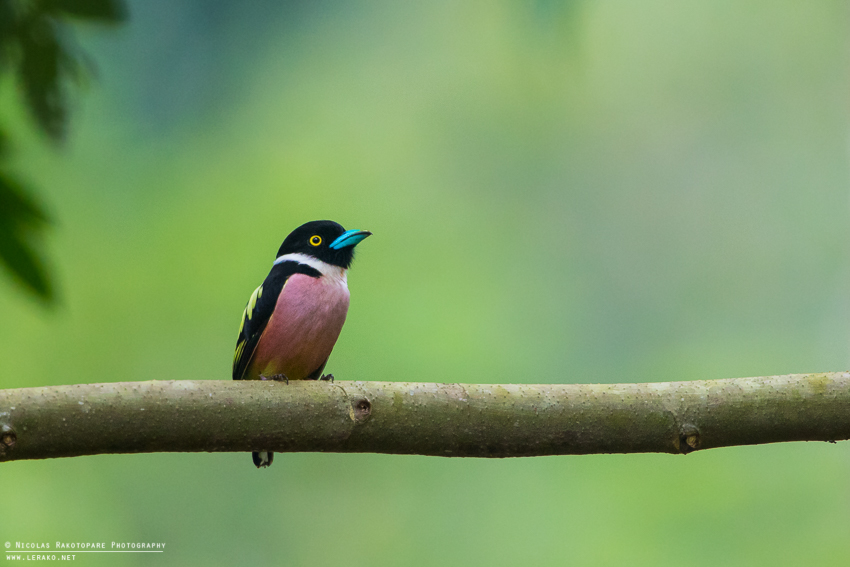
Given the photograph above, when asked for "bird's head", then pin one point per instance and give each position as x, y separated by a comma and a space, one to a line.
324, 240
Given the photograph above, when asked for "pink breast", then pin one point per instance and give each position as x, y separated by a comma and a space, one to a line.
302, 331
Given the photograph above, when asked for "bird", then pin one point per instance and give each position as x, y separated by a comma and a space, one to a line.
293, 319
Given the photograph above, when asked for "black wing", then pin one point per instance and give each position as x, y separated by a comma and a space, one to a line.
259, 310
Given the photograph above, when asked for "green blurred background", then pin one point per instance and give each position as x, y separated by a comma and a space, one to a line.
581, 192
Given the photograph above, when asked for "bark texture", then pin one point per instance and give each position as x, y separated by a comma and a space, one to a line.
450, 420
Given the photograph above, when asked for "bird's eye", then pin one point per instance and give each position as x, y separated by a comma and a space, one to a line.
315, 240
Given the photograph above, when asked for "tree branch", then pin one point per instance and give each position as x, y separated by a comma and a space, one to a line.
452, 420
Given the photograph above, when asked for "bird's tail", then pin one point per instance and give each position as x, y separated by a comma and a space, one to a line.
263, 458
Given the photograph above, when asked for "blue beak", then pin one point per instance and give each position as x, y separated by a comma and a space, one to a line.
349, 238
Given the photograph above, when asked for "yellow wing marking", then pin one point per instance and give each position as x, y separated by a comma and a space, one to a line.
249, 309
246, 314
258, 293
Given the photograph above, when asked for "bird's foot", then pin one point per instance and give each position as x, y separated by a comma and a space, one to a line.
276, 378
327, 378
281, 378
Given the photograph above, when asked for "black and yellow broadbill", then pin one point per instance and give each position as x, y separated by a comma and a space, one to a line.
294, 318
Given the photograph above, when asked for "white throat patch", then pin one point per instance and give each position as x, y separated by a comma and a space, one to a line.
333, 273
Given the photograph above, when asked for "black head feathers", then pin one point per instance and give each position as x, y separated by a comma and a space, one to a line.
324, 240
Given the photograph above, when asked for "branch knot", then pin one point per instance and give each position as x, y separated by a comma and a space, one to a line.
689, 438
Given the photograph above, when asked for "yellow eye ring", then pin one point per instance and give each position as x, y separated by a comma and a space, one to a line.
315, 240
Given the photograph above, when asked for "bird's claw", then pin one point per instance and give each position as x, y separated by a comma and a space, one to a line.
327, 378
276, 378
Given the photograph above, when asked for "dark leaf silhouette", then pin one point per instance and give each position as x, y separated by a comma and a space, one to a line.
104, 11
43, 62
36, 45
20, 222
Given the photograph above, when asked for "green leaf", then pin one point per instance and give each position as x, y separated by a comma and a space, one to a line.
21, 222
99, 10
35, 42
16, 206
25, 265
8, 23
43, 61
7, 19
